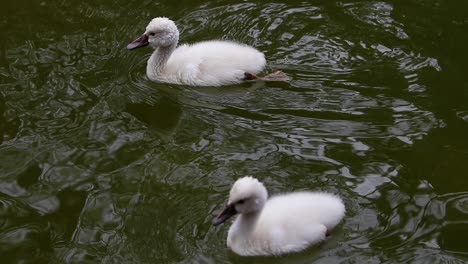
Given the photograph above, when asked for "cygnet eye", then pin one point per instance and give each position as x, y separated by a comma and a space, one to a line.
152, 34
241, 201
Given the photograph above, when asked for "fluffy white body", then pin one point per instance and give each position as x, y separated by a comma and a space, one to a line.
283, 224
207, 63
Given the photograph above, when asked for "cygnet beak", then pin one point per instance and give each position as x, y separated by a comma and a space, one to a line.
139, 42
229, 211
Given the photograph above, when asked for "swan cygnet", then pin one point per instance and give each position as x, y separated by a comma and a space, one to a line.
282, 224
206, 63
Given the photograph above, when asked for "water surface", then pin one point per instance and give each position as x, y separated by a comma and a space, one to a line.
100, 165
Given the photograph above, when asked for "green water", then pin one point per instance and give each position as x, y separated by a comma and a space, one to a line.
100, 165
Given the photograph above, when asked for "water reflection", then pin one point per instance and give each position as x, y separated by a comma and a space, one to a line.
9, 122
162, 117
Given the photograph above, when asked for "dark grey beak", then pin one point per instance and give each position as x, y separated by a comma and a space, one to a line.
229, 211
139, 42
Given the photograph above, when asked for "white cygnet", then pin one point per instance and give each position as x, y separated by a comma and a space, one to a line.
282, 224
206, 63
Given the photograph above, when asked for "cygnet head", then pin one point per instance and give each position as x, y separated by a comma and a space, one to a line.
160, 32
247, 195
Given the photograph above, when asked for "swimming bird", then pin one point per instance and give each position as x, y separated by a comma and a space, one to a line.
282, 224
206, 63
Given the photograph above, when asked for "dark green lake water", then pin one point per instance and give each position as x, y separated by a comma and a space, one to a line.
100, 165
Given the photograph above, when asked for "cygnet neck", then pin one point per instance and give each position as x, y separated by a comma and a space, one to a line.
160, 57
253, 215
248, 220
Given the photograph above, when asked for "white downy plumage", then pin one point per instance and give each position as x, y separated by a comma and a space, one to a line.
283, 224
207, 63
